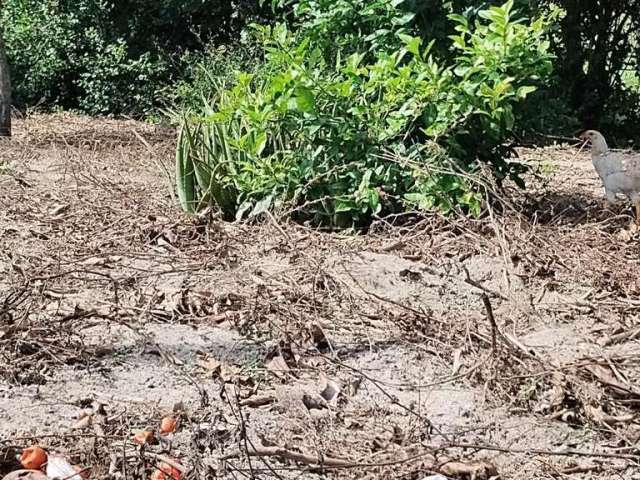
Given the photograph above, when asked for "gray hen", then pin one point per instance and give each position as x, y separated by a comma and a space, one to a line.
619, 171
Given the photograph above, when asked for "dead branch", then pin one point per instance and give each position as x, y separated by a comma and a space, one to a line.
283, 453
492, 321
257, 401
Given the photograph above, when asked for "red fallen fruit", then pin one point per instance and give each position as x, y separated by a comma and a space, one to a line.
166, 472
168, 425
143, 437
33, 457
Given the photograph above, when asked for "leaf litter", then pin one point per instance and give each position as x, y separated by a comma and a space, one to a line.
369, 356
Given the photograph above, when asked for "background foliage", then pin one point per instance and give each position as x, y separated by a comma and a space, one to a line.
112, 56
597, 49
118, 57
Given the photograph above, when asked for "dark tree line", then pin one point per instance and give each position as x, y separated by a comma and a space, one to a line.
5, 92
595, 44
112, 57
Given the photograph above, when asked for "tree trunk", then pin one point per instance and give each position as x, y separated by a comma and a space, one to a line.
5, 92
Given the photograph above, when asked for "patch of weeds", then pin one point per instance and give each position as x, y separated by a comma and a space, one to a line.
8, 169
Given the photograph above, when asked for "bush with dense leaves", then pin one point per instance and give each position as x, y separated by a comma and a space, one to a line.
352, 115
103, 56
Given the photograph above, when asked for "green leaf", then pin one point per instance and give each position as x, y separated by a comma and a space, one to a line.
260, 142
413, 44
403, 19
459, 19
458, 41
374, 201
305, 100
344, 205
185, 171
509, 119
524, 91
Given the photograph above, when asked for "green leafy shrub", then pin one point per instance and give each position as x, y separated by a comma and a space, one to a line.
110, 56
115, 83
351, 26
66, 55
341, 122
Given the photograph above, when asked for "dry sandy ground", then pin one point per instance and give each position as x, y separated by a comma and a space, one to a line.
290, 353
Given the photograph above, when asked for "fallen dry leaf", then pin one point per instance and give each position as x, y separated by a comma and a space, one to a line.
598, 415
33, 457
352, 423
258, 401
457, 361
210, 365
354, 385
85, 473
606, 377
398, 435
319, 339
58, 209
59, 467
380, 443
166, 472
225, 372
551, 400
278, 366
313, 402
84, 422
330, 390
471, 470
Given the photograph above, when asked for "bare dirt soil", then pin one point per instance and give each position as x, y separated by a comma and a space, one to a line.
507, 346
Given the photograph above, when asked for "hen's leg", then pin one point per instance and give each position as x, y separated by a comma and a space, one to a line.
610, 201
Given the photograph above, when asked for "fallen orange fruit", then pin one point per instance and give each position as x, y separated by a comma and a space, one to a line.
143, 437
33, 458
168, 425
165, 472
